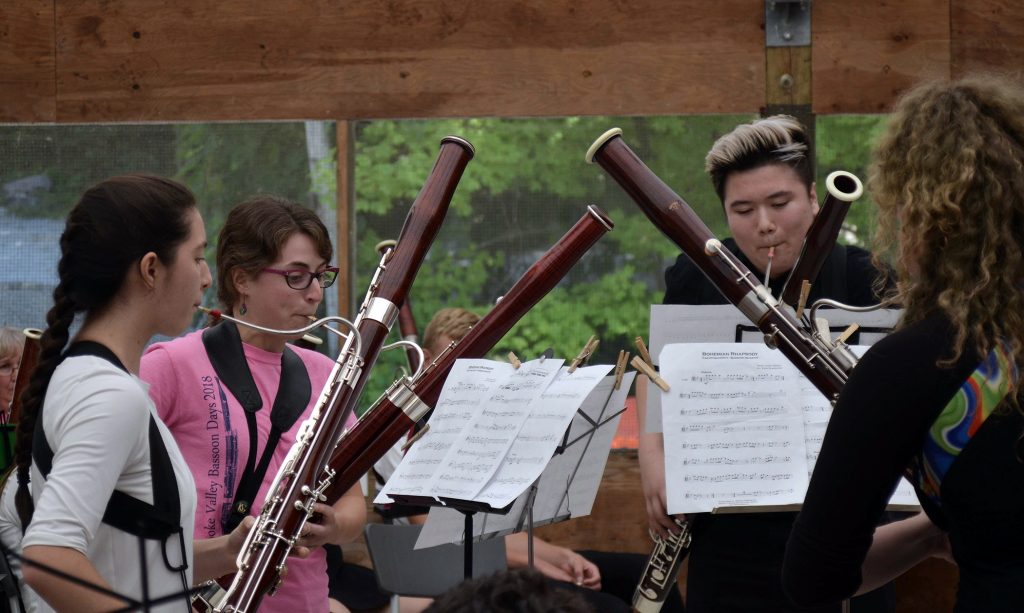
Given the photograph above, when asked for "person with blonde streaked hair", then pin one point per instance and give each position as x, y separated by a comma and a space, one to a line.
938, 400
763, 173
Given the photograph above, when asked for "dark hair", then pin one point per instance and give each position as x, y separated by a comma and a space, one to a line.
253, 235
112, 226
514, 591
779, 139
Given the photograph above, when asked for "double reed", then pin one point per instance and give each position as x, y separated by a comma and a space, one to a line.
305, 476
407, 400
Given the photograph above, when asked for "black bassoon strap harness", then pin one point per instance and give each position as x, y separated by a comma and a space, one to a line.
224, 347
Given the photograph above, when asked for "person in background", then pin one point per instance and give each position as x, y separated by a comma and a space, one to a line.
763, 173
236, 421
939, 399
12, 341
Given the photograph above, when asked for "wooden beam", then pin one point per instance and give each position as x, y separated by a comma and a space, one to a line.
788, 76
988, 36
123, 60
867, 53
27, 61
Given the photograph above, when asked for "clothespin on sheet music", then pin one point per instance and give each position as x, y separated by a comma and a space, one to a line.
586, 352
620, 367
805, 291
652, 374
642, 350
514, 360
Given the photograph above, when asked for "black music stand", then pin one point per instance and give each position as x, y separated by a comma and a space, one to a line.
548, 486
468, 508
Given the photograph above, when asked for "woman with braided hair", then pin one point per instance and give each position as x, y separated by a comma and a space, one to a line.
101, 483
939, 399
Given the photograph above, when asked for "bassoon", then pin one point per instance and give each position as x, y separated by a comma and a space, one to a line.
825, 362
305, 476
841, 190
407, 400
406, 321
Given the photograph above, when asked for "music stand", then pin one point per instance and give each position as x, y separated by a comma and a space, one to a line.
565, 489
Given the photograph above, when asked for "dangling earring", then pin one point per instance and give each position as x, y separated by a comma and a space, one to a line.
244, 309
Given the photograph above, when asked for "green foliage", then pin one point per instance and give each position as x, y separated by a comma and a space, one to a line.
526, 186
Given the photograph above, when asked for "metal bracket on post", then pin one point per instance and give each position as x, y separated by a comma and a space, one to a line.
787, 23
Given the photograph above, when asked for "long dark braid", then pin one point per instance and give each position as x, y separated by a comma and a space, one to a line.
52, 343
113, 225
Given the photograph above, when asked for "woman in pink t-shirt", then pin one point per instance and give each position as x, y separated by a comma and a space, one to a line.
217, 390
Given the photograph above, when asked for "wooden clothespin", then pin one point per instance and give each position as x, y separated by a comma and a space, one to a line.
642, 350
514, 360
652, 374
805, 291
847, 333
586, 352
620, 367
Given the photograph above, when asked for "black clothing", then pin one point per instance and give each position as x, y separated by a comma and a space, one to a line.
966, 469
736, 559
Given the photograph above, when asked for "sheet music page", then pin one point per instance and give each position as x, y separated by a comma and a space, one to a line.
581, 465
734, 432
549, 416
729, 444
684, 323
467, 385
475, 454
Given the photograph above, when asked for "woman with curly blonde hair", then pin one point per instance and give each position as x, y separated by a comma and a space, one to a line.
939, 399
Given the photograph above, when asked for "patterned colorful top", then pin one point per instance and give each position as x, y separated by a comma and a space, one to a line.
977, 398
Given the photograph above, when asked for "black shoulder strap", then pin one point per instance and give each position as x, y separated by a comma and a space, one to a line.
224, 347
150, 521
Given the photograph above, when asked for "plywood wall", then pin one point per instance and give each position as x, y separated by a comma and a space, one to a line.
171, 60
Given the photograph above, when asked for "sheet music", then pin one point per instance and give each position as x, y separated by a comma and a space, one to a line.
684, 323
579, 467
734, 431
468, 384
549, 415
743, 428
478, 450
